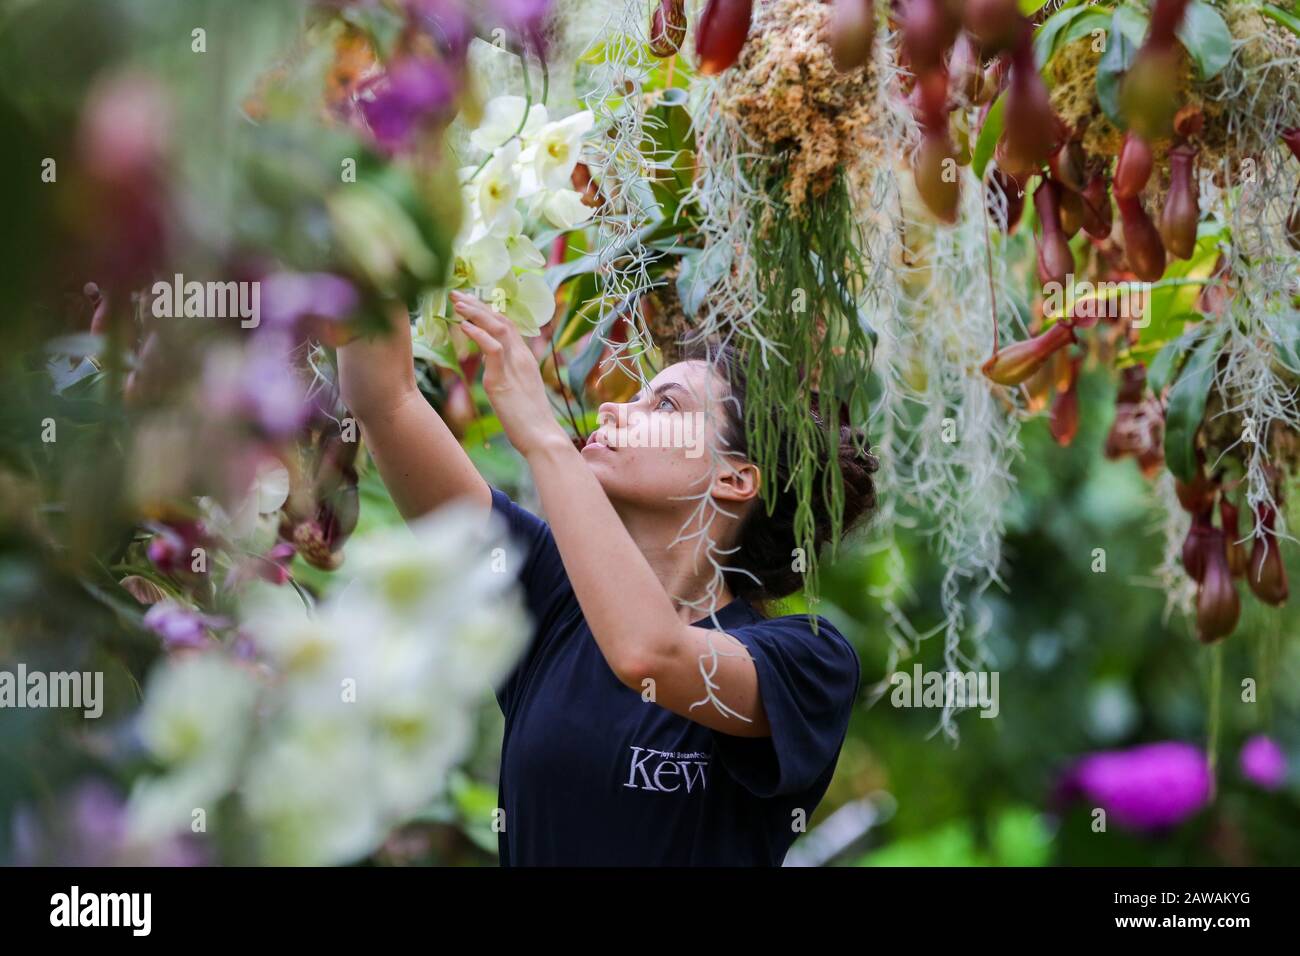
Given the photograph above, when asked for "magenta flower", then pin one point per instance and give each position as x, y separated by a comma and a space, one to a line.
172, 545
272, 567
447, 22
1148, 788
410, 96
1263, 763
525, 17
179, 626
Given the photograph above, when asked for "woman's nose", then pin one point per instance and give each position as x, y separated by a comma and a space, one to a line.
609, 412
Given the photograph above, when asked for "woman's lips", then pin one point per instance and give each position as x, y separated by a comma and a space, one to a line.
597, 440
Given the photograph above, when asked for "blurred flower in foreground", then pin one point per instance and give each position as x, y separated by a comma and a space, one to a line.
180, 626
359, 707
412, 95
312, 302
259, 384
123, 144
87, 827
1147, 788
1263, 762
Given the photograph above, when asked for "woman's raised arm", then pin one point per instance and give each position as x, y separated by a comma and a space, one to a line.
420, 460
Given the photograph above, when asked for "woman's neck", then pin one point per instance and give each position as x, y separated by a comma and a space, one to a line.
683, 568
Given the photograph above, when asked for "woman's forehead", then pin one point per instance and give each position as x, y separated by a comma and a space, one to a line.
694, 375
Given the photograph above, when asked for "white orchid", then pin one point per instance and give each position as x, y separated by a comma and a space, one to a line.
502, 117
364, 705
251, 525
498, 185
431, 331
481, 263
557, 149
525, 300
563, 208
197, 712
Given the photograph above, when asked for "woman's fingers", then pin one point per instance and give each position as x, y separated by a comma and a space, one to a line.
488, 344
478, 313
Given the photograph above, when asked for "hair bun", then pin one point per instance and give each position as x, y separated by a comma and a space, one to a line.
857, 466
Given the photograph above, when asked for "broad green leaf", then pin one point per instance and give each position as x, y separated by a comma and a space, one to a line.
699, 273
1121, 48
1169, 302
1290, 21
1030, 7
1207, 38
1186, 407
1132, 22
987, 140
1083, 26
1065, 26
582, 365
1162, 369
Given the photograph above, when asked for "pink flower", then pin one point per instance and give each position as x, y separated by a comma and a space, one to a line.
1263, 763
179, 626
1150, 788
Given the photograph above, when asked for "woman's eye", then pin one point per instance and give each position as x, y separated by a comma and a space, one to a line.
666, 402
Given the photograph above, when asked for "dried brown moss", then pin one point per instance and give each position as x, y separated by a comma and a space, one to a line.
790, 100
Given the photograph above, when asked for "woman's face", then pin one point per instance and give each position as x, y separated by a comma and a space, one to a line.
660, 446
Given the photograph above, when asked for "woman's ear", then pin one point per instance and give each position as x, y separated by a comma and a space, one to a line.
737, 481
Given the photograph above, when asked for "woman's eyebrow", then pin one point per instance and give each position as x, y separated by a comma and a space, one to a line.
660, 390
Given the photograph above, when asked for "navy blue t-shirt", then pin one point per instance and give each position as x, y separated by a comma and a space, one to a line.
593, 775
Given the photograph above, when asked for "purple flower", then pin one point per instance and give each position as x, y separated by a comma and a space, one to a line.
524, 16
447, 22
179, 626
291, 297
1148, 788
1263, 763
412, 93
87, 827
260, 385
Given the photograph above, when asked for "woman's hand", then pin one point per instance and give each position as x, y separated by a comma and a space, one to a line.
511, 377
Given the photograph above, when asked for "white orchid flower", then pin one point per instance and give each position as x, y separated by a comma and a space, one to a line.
524, 253
502, 117
558, 148
562, 208
498, 185
481, 263
431, 330
525, 300
252, 524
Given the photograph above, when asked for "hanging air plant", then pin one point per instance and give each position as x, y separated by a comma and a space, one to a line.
805, 136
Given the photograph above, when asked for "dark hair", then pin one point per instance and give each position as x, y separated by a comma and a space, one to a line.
766, 538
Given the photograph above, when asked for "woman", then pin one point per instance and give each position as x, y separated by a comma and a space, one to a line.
617, 749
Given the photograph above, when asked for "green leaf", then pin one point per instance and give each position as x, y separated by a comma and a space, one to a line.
987, 140
1065, 26
1030, 7
700, 271
582, 365
1206, 37
1287, 20
1121, 49
1186, 407
1132, 23
1168, 360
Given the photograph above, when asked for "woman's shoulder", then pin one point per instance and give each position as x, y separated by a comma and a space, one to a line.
814, 631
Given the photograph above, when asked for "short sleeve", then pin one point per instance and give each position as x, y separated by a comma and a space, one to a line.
808, 683
533, 556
